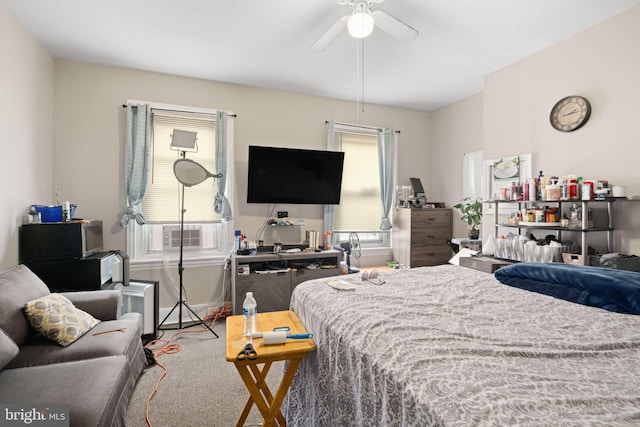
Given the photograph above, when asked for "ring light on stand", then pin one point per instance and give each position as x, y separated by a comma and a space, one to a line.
188, 173
191, 173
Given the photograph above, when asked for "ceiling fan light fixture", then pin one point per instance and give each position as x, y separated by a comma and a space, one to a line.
360, 24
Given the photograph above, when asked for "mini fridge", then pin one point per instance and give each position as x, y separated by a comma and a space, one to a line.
141, 296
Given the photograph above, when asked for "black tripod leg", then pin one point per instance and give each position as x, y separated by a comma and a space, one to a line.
169, 314
201, 321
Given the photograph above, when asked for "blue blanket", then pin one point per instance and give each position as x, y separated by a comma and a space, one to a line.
610, 289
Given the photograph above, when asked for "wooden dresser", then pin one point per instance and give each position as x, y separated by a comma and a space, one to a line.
420, 236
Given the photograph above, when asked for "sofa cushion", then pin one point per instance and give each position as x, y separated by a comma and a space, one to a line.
55, 317
96, 390
41, 351
17, 286
8, 349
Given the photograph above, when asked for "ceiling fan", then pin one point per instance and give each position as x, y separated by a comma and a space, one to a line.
360, 24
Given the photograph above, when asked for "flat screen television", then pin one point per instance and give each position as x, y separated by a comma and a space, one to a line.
294, 176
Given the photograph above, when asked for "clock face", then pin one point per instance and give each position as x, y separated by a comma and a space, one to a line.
570, 113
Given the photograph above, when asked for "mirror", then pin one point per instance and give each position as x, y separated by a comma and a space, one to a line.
472, 175
191, 173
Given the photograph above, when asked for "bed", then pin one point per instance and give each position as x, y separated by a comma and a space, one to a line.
452, 346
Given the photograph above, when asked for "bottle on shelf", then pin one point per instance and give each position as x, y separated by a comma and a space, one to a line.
66, 211
573, 189
578, 188
553, 192
249, 311
533, 189
564, 189
587, 190
238, 240
540, 191
576, 216
326, 240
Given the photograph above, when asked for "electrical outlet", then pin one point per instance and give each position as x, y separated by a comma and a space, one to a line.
283, 214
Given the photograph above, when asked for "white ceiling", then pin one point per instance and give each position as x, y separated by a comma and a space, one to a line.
266, 43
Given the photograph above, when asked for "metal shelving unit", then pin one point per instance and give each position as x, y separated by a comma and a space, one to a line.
584, 229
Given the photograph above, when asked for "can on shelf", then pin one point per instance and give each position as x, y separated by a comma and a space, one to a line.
538, 214
529, 216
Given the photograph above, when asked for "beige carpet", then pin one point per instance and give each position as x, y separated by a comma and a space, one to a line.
200, 388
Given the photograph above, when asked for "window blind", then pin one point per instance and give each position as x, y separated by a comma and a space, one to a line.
161, 203
360, 207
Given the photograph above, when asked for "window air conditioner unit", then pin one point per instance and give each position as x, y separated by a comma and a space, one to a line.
171, 237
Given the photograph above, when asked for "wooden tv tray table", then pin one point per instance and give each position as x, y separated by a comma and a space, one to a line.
254, 378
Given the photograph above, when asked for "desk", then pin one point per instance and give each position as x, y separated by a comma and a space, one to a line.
253, 377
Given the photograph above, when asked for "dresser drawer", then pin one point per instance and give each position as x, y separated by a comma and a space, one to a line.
432, 255
427, 218
430, 236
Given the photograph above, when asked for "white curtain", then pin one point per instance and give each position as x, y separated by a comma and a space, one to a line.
387, 166
221, 203
136, 161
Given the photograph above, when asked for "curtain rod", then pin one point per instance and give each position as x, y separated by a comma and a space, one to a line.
165, 109
358, 126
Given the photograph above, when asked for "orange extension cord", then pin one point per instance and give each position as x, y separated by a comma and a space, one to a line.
172, 348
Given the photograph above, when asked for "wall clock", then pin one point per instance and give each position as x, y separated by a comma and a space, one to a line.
570, 113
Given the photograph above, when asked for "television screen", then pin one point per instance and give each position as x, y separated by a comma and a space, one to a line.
295, 176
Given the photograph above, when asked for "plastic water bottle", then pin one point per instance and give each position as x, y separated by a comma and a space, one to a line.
249, 310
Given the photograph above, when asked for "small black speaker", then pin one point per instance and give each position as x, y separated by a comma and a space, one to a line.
125, 268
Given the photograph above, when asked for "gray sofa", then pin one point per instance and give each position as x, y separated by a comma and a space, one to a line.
93, 376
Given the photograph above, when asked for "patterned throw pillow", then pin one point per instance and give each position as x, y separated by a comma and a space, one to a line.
57, 319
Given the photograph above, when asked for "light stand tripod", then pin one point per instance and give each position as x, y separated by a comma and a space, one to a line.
189, 173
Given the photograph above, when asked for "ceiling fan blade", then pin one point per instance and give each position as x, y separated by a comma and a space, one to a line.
331, 34
394, 27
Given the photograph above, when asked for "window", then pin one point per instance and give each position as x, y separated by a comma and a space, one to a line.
360, 208
204, 234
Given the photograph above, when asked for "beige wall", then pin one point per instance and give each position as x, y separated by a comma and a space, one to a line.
26, 88
602, 64
456, 130
89, 142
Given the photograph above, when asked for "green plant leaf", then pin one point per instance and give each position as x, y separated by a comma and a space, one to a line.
471, 210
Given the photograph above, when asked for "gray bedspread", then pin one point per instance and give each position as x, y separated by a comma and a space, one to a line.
450, 346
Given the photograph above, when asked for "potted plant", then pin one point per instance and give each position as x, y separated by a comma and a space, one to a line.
471, 210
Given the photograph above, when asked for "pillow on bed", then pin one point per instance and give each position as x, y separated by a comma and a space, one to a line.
57, 319
610, 289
